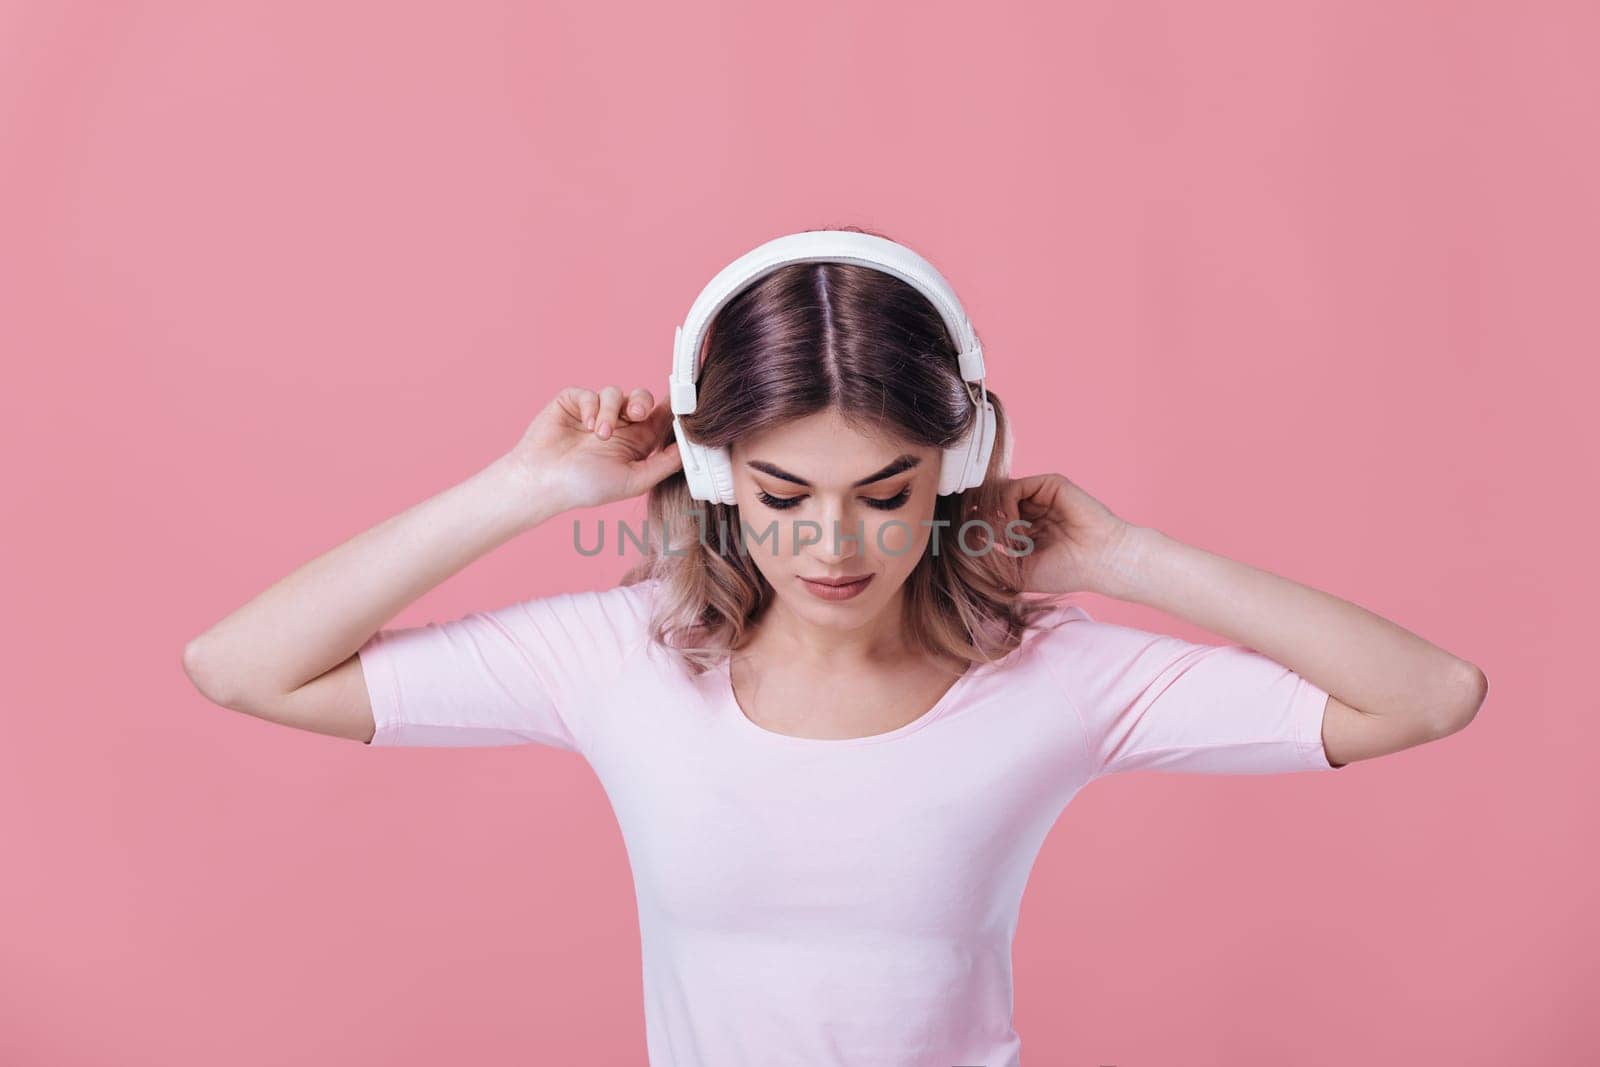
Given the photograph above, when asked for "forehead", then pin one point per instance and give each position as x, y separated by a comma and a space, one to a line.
823, 434
825, 446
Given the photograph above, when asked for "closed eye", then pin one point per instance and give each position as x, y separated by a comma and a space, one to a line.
783, 503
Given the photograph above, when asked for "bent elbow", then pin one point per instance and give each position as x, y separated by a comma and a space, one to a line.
1470, 691
203, 674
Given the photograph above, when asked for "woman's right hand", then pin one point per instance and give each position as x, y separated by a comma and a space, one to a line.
588, 447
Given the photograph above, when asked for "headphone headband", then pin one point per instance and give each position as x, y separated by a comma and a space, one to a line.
816, 246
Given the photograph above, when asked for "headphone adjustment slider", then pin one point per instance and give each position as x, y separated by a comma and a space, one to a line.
972, 363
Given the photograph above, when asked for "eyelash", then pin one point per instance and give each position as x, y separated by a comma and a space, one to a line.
783, 503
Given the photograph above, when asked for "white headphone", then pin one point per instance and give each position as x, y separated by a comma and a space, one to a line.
710, 470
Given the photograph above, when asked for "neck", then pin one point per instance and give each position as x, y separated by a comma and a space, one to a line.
783, 632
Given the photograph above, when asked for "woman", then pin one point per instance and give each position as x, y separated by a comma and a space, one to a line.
837, 717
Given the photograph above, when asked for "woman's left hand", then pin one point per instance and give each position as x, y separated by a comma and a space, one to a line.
1078, 544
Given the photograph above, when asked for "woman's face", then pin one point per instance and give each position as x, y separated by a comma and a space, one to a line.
810, 512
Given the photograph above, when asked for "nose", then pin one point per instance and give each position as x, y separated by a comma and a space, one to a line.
843, 532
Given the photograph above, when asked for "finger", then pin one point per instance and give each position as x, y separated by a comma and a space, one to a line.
583, 401
639, 404
1024, 489
1021, 498
659, 464
610, 401
643, 474
660, 417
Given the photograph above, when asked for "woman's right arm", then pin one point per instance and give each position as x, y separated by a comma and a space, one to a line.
289, 654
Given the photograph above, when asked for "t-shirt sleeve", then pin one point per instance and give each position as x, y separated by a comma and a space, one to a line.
532, 672
1150, 701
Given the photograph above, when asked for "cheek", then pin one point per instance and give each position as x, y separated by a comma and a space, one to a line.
898, 539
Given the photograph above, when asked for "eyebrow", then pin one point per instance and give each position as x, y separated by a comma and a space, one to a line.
902, 463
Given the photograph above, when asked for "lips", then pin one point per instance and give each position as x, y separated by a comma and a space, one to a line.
848, 580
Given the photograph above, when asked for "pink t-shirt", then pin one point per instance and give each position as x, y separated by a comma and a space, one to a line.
817, 902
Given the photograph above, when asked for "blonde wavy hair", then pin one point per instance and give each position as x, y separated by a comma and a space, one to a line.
804, 339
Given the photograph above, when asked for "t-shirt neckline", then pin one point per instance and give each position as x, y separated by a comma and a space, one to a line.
731, 707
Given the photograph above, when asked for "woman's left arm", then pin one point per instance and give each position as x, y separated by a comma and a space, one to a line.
1388, 689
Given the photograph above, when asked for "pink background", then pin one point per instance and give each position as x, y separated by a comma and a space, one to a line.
1307, 284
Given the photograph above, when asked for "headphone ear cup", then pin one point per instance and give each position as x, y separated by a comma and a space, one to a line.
709, 471
967, 461
986, 430
719, 466
953, 467
695, 467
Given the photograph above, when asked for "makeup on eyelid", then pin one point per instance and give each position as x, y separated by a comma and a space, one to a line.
783, 503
